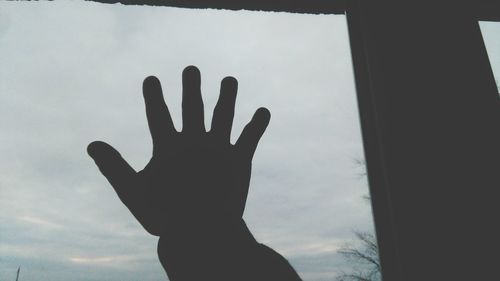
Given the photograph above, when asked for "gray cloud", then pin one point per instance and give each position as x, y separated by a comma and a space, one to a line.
71, 73
490, 31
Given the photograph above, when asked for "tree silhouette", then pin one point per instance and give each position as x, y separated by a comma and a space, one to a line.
363, 258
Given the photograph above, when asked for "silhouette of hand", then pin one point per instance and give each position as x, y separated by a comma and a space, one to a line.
194, 177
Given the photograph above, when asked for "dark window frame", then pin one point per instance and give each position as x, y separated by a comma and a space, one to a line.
406, 254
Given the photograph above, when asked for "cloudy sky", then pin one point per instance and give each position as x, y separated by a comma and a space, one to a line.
71, 73
491, 36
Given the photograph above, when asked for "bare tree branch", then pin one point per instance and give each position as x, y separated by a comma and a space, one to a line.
364, 259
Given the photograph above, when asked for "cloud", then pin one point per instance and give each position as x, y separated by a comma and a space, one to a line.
102, 261
490, 31
39, 221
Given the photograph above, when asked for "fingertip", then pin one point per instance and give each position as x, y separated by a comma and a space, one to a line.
263, 114
99, 149
151, 79
253, 131
229, 88
151, 86
95, 148
230, 81
191, 71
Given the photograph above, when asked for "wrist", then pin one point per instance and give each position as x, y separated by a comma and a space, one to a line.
209, 249
206, 237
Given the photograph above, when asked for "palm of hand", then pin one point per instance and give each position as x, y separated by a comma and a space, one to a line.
194, 177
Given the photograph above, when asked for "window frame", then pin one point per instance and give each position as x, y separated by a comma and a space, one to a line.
399, 248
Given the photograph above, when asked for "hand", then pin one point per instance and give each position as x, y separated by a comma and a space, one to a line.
194, 177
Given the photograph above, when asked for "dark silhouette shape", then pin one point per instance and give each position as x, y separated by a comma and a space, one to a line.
193, 191
292, 6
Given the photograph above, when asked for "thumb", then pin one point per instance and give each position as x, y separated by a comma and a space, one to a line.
111, 164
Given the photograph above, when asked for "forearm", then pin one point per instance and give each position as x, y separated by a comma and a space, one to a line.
232, 254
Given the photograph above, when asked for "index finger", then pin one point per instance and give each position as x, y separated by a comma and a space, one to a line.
159, 119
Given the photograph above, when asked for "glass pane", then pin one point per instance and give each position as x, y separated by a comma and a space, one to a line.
71, 73
491, 36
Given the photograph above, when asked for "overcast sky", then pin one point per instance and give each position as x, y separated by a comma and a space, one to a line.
491, 37
71, 73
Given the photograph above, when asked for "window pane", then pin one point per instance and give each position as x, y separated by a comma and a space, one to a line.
71, 73
491, 36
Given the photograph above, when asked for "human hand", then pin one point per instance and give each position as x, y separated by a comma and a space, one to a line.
194, 177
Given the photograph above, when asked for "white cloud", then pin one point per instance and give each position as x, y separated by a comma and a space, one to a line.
39, 221
102, 261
